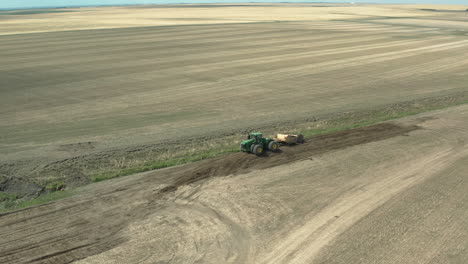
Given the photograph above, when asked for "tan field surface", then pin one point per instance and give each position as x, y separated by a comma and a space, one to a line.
91, 92
390, 193
189, 14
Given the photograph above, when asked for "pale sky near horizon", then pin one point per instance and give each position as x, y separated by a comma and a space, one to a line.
4, 4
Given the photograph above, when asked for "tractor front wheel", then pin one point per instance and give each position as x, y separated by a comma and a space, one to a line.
258, 150
252, 148
273, 146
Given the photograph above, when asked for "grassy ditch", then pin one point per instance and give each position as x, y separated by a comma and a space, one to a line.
53, 190
10, 203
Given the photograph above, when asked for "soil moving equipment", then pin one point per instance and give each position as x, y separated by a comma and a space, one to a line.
257, 144
289, 139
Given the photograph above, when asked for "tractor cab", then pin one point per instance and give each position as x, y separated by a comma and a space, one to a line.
257, 137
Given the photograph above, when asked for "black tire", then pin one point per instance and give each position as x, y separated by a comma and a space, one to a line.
273, 146
258, 150
252, 148
300, 139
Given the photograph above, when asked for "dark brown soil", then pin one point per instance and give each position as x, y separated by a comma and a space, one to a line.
242, 162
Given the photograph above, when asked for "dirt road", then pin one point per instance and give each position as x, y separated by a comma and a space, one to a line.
390, 193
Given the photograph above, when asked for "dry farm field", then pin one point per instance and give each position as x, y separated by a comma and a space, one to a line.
96, 92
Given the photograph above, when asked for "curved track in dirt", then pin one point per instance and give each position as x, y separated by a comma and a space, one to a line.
367, 195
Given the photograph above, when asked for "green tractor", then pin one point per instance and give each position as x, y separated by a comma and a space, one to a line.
257, 144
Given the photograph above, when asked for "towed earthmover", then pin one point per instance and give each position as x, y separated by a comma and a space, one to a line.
289, 139
257, 144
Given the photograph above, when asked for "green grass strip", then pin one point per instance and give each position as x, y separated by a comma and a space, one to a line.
46, 198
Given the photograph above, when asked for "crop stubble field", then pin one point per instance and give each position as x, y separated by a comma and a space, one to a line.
82, 91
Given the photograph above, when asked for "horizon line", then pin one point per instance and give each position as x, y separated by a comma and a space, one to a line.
183, 3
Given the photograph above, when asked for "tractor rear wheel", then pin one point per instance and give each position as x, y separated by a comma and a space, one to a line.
273, 146
258, 150
300, 139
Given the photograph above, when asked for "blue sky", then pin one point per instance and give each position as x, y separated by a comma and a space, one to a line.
49, 3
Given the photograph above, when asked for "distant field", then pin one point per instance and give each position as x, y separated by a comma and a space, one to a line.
33, 12
46, 20
208, 73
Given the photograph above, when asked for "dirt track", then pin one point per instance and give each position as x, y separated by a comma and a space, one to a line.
371, 196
